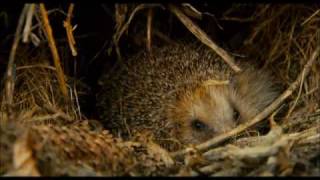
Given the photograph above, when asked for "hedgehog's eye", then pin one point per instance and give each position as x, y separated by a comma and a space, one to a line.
236, 116
198, 125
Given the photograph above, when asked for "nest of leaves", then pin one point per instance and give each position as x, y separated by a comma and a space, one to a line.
47, 134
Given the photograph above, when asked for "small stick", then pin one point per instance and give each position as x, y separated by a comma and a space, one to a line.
203, 37
309, 18
10, 79
126, 25
69, 30
276, 103
28, 24
77, 100
164, 37
54, 51
116, 37
35, 66
301, 120
149, 29
295, 102
120, 30
189, 10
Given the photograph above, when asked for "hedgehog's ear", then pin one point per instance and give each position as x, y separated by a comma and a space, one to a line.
254, 87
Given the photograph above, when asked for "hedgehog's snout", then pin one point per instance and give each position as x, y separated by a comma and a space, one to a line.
208, 112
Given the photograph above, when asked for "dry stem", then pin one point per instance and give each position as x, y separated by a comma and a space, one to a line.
54, 51
69, 31
28, 24
149, 30
9, 73
124, 27
203, 37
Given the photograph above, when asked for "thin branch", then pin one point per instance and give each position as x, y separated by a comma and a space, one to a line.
35, 66
118, 34
54, 51
28, 24
295, 102
309, 18
149, 29
10, 68
191, 11
69, 31
163, 37
77, 100
276, 103
203, 37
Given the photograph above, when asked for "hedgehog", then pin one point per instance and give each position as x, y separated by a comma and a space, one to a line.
184, 92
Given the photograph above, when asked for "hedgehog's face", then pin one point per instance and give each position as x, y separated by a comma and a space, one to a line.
204, 113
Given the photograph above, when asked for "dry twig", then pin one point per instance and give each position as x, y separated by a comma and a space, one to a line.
164, 37
124, 27
69, 30
149, 29
54, 51
309, 18
189, 10
203, 37
28, 24
255, 149
9, 73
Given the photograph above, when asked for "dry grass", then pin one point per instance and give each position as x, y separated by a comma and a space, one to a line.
283, 38
37, 91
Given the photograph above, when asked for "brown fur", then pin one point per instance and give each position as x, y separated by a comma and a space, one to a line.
166, 93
